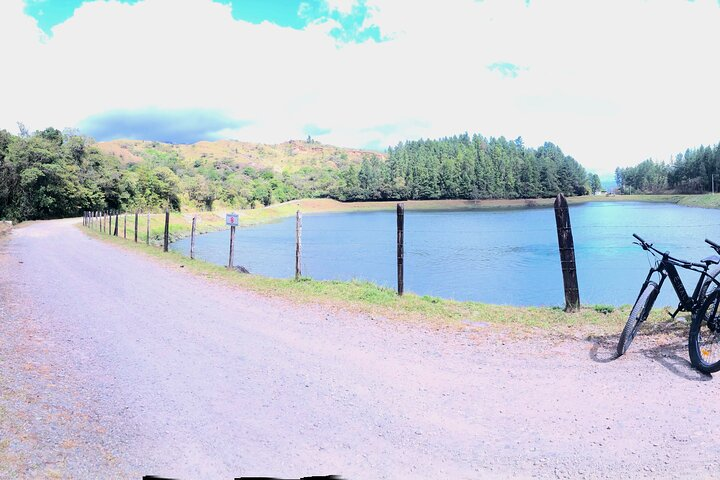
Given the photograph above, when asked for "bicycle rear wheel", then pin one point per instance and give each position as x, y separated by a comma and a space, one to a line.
704, 339
709, 286
638, 314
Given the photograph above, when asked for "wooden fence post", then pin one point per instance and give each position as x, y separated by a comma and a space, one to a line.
298, 245
567, 254
400, 248
136, 225
192, 238
125, 225
166, 236
147, 236
232, 246
117, 219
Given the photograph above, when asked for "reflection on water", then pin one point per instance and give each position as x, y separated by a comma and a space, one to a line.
496, 256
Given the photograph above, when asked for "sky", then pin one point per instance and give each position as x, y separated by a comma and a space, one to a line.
612, 82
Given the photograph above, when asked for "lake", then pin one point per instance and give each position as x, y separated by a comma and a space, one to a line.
504, 256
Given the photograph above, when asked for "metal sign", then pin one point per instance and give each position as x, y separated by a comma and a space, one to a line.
232, 219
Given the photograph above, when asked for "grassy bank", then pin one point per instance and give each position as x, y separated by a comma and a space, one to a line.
367, 298
702, 201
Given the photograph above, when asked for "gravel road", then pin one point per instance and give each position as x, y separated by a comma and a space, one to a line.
112, 365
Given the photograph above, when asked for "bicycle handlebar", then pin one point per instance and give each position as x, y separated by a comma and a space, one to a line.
679, 261
714, 245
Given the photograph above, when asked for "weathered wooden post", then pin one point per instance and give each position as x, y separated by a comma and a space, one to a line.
166, 236
136, 225
105, 221
400, 247
117, 222
567, 254
147, 236
192, 238
298, 245
125, 225
232, 246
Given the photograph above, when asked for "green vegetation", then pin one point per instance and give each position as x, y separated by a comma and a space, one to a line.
690, 172
465, 167
368, 298
180, 226
703, 201
50, 174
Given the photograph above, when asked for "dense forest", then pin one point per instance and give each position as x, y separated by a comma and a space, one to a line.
690, 172
51, 174
469, 168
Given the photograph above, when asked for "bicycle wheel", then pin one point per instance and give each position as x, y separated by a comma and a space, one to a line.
709, 286
638, 314
704, 339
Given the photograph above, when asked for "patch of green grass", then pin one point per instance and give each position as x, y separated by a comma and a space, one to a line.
605, 309
703, 201
180, 226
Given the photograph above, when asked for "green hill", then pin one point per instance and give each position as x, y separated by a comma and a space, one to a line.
288, 157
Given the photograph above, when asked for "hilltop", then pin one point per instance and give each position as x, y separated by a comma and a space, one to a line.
288, 156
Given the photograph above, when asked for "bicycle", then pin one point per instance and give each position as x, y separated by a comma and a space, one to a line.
705, 331
666, 267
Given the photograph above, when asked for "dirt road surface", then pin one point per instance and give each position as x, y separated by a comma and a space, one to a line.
112, 365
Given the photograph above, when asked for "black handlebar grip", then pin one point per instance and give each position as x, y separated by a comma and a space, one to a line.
711, 243
636, 236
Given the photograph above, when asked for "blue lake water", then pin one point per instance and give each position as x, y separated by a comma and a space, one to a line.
507, 256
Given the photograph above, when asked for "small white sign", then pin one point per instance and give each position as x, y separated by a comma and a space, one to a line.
232, 219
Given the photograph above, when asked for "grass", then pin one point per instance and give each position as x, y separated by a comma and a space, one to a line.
180, 226
370, 299
703, 201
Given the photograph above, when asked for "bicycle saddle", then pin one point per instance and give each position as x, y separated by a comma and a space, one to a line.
711, 260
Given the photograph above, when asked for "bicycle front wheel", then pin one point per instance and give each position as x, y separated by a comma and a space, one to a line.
704, 340
638, 314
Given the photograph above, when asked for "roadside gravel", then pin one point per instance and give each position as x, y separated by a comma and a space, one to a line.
112, 365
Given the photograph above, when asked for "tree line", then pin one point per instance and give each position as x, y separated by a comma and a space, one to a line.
466, 167
689, 172
53, 174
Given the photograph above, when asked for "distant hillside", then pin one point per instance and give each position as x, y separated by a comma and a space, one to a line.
51, 174
288, 156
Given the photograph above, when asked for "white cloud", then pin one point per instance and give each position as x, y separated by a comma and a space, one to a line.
610, 82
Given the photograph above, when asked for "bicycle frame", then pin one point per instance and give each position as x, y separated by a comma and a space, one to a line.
665, 268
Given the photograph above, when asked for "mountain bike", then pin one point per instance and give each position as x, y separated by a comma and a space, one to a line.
665, 267
705, 331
